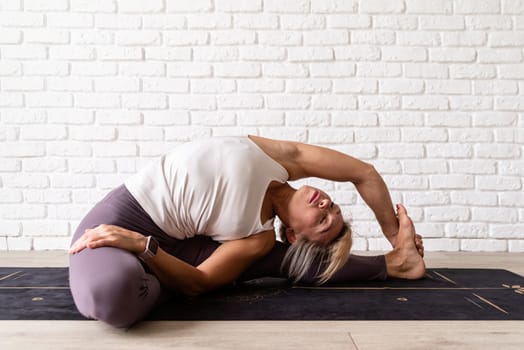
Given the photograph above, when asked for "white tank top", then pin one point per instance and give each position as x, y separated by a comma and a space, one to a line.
213, 187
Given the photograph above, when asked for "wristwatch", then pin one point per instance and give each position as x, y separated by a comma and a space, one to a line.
151, 249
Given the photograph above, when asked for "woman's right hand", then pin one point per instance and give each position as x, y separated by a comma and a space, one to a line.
110, 236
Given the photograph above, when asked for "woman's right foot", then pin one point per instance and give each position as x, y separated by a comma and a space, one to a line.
404, 261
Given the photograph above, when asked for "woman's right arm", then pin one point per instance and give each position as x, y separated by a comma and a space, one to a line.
223, 267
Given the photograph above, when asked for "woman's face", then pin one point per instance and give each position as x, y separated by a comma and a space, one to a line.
313, 216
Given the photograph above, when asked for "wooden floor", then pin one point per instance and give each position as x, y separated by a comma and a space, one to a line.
266, 335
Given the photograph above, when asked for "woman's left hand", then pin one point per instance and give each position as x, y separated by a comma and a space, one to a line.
110, 236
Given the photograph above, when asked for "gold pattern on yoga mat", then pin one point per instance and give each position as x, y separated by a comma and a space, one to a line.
10, 275
444, 277
491, 304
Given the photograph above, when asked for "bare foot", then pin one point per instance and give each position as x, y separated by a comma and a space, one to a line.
405, 260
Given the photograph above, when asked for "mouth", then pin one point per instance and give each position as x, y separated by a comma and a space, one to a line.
314, 197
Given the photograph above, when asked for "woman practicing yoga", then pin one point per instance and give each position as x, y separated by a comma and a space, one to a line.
202, 217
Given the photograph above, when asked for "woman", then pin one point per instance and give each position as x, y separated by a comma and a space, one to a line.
173, 215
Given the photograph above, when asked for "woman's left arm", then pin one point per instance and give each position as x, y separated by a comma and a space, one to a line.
303, 160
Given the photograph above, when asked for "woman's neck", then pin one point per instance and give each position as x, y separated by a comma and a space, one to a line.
280, 197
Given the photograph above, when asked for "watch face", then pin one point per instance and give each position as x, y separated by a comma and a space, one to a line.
151, 249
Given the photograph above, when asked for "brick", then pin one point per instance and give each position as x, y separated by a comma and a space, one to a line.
137, 6
69, 20
267, 85
237, 70
308, 86
512, 199
406, 182
22, 84
43, 133
355, 85
349, 21
495, 214
447, 213
333, 6
284, 70
327, 102
425, 166
165, 21
398, 150
466, 230
197, 6
51, 243
42, 5
91, 166
189, 70
426, 70
473, 166
294, 101
262, 54
326, 38
92, 133
377, 135
507, 231
205, 86
21, 149
94, 69
482, 245
404, 54
19, 243
500, 55
310, 54
426, 198
441, 22
441, 244
238, 5
473, 7
472, 198
256, 21
379, 102
192, 102
424, 135
35, 228
421, 6
354, 119
401, 118
506, 39
22, 212
452, 182
264, 118
230, 37
489, 22
358, 53
308, 119
9, 165
93, 6
467, 135
209, 21
424, 103
500, 151
299, 22
238, 101
373, 37
19, 19
510, 103
69, 149
10, 228
167, 118
498, 87
330, 135
291, 6
516, 246
382, 6
280, 38
138, 38
192, 38
144, 101
69, 116
332, 70
10, 196
418, 38
498, 183
120, 149
379, 70
464, 38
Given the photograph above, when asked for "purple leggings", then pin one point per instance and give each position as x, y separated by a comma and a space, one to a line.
112, 285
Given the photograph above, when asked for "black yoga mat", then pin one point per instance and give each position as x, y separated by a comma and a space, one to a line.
444, 294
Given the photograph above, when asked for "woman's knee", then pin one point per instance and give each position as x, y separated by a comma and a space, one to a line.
119, 293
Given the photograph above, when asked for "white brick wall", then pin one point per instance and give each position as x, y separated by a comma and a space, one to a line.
431, 92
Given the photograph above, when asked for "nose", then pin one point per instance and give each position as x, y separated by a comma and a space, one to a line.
324, 203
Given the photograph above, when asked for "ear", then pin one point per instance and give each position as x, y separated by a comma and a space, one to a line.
291, 235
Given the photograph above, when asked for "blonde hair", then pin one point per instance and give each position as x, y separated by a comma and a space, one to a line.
303, 254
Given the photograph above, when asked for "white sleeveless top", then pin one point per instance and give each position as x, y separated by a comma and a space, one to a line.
213, 187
